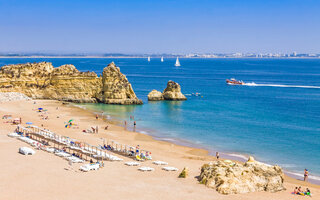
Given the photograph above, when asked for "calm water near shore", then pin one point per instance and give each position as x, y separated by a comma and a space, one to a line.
274, 122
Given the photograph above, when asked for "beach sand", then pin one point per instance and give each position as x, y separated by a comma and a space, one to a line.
45, 176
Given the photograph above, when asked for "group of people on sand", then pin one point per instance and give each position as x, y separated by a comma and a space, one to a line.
299, 191
141, 155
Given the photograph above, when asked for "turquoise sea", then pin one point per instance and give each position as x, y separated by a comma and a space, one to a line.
276, 119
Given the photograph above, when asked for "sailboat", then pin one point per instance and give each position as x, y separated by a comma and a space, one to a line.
177, 63
162, 59
148, 58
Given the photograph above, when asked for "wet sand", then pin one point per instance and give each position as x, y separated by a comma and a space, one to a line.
46, 176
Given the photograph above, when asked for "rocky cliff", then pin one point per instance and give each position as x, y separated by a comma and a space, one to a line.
43, 81
116, 88
234, 178
172, 93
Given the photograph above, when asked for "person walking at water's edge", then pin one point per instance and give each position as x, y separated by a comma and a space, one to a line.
306, 174
134, 126
217, 155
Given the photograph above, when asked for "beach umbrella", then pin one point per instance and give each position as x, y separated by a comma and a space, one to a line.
29, 123
70, 120
40, 108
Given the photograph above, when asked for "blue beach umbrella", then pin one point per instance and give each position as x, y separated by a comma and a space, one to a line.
29, 123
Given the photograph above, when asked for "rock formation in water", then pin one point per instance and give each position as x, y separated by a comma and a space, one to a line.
172, 93
155, 95
116, 88
43, 81
234, 178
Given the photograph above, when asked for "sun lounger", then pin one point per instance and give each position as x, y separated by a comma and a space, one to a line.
89, 167
49, 149
62, 154
132, 163
159, 162
145, 169
13, 135
169, 168
75, 159
26, 151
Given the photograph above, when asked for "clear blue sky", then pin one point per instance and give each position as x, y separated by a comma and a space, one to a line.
163, 26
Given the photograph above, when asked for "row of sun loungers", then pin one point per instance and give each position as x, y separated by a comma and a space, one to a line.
70, 143
96, 152
144, 169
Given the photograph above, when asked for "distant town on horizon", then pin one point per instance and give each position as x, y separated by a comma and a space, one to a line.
167, 55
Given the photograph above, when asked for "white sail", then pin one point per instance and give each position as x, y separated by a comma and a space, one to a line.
177, 63
162, 59
148, 58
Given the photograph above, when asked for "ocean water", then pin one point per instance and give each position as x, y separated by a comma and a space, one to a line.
275, 118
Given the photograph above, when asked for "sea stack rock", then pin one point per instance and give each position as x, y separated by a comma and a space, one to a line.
43, 81
234, 178
173, 92
155, 95
116, 88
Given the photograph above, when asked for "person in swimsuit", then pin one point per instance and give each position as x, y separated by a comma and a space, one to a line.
217, 155
306, 174
295, 191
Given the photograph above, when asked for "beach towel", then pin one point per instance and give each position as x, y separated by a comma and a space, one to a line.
138, 158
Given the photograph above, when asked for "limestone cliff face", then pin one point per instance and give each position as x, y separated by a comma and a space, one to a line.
43, 81
116, 88
234, 178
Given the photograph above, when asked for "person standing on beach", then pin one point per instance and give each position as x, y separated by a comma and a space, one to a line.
134, 126
97, 129
217, 155
97, 117
306, 174
125, 124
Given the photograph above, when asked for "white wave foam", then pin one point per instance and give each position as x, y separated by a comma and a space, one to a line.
300, 175
238, 156
277, 85
79, 106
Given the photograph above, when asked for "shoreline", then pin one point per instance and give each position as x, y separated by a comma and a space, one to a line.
234, 156
115, 180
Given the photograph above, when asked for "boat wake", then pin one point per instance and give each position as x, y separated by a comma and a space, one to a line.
276, 85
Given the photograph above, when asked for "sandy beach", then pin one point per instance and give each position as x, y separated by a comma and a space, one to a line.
45, 176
